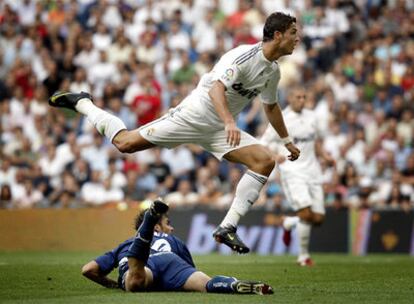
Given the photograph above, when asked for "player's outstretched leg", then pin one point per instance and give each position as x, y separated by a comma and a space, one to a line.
229, 237
140, 248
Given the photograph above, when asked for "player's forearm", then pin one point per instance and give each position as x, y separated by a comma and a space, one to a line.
219, 100
322, 153
101, 280
93, 272
107, 282
319, 150
274, 114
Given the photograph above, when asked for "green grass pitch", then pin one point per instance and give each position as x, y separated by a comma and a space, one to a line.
55, 278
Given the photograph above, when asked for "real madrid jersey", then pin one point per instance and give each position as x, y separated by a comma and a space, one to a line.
303, 129
245, 73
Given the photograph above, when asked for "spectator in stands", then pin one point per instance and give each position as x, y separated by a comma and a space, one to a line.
5, 196
183, 197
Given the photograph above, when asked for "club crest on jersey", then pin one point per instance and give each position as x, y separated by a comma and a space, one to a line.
228, 75
150, 131
238, 87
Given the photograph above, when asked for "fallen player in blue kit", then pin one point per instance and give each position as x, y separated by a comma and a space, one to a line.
155, 260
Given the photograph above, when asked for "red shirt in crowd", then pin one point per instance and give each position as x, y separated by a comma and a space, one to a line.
147, 107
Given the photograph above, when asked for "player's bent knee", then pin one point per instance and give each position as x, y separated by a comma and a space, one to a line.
270, 165
125, 142
135, 284
264, 165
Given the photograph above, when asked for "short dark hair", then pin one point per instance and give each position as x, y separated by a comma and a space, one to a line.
276, 22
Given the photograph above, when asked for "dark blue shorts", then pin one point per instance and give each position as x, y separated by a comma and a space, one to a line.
170, 272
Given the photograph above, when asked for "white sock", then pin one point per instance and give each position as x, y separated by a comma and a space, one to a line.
290, 222
304, 230
106, 124
247, 192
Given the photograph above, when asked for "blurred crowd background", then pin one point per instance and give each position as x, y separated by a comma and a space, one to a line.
140, 57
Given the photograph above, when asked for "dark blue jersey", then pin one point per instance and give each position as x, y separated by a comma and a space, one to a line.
161, 242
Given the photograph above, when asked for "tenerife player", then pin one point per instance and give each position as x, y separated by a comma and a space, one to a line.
208, 116
156, 260
301, 180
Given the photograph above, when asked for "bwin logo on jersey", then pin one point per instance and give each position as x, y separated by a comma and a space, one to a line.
309, 138
245, 92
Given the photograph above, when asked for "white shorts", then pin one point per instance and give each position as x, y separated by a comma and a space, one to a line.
169, 132
302, 194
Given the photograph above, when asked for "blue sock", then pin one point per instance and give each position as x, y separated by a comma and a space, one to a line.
220, 284
140, 247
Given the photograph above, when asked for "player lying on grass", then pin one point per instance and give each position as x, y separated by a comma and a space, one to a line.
156, 260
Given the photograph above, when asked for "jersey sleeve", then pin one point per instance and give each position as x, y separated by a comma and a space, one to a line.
269, 94
227, 74
107, 262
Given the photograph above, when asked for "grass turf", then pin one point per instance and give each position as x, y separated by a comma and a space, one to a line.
55, 278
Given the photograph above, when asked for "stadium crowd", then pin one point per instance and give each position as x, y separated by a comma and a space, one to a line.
140, 57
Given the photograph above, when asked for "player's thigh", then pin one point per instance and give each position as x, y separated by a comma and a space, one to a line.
197, 282
166, 133
216, 143
137, 279
297, 193
170, 271
318, 200
131, 141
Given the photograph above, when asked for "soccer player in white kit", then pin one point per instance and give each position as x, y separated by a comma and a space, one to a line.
208, 116
301, 180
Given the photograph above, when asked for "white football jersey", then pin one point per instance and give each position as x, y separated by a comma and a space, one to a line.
245, 73
303, 129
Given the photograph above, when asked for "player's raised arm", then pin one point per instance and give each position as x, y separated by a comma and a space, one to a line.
219, 100
274, 114
93, 272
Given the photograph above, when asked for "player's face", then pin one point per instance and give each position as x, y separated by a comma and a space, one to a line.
297, 100
164, 225
289, 39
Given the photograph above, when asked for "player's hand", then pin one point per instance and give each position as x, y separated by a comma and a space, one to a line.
233, 134
294, 151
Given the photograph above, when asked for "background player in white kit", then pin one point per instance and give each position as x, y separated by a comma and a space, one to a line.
301, 180
207, 117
